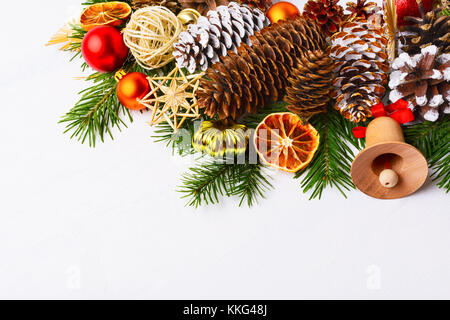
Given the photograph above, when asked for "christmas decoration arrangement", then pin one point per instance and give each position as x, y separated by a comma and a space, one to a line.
344, 97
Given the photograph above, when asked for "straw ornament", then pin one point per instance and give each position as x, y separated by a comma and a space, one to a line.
150, 35
390, 11
172, 98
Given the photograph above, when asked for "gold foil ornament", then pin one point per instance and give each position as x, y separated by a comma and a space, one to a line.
188, 16
220, 138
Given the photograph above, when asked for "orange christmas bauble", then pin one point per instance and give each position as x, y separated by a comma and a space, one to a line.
131, 88
282, 11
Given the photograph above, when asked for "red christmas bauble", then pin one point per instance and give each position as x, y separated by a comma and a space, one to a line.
410, 8
103, 49
131, 88
281, 11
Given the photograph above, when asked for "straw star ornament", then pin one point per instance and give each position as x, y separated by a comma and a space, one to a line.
172, 98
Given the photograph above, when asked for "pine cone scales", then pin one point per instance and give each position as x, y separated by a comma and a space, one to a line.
423, 80
310, 84
221, 30
258, 75
359, 50
431, 29
260, 4
203, 6
173, 5
362, 9
327, 13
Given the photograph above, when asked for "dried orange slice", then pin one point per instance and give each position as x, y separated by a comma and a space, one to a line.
283, 142
105, 14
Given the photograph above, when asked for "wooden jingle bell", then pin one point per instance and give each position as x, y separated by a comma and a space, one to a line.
388, 168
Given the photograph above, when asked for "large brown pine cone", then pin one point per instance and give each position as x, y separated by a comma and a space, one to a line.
310, 84
430, 29
359, 50
258, 75
424, 81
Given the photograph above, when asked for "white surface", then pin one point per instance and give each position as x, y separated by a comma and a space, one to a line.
77, 222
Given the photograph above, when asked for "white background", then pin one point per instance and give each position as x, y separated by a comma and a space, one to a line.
77, 222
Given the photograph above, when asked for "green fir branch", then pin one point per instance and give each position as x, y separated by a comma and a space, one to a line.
250, 183
179, 141
331, 165
252, 120
97, 111
211, 179
204, 183
433, 140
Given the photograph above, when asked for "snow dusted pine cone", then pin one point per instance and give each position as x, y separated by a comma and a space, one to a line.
359, 50
310, 84
362, 9
216, 33
327, 13
257, 75
431, 29
423, 80
260, 4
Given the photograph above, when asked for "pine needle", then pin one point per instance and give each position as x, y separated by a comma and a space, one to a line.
433, 140
211, 179
97, 111
180, 142
332, 162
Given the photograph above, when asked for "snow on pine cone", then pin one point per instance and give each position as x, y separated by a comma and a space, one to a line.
430, 29
359, 50
221, 30
424, 81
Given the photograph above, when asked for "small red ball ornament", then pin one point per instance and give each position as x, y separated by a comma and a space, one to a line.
410, 8
281, 11
103, 49
132, 88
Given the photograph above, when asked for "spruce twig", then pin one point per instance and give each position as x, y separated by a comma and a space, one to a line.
332, 162
433, 140
180, 141
250, 183
214, 178
204, 183
97, 112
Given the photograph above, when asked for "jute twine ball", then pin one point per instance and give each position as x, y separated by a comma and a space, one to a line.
150, 35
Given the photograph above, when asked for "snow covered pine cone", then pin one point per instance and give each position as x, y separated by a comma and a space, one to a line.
423, 80
257, 75
359, 50
431, 29
362, 9
221, 30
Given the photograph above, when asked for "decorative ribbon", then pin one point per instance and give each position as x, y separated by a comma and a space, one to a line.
398, 111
